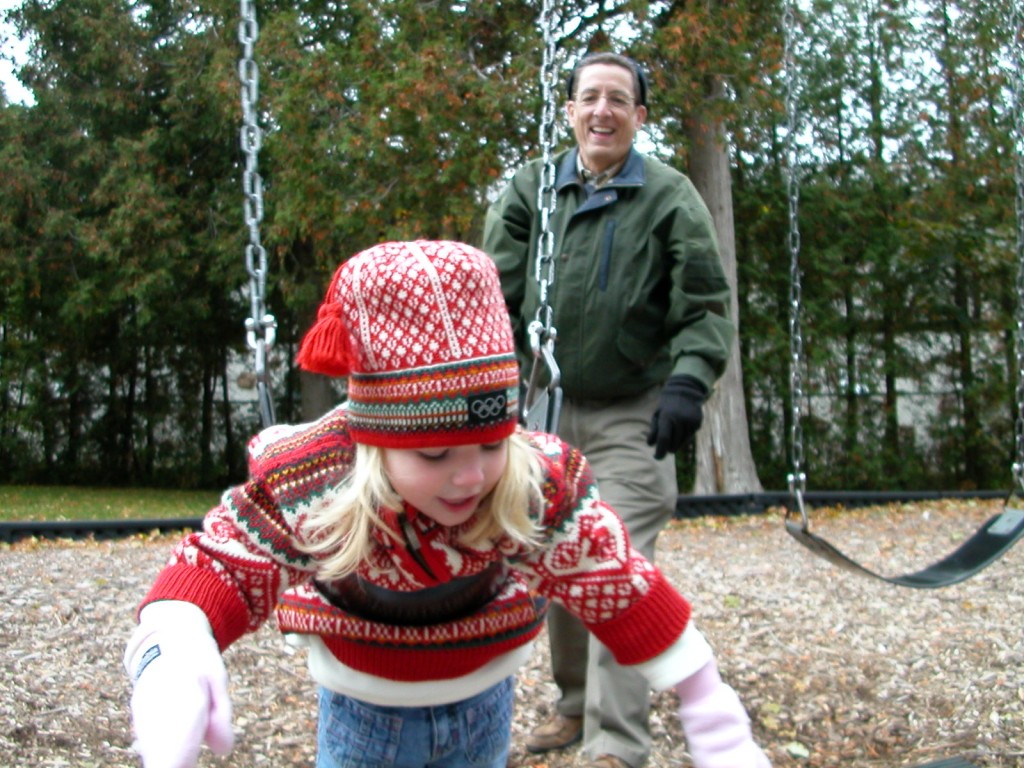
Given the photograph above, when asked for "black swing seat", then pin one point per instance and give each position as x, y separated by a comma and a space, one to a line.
988, 544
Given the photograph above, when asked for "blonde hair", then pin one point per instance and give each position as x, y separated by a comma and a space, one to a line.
342, 533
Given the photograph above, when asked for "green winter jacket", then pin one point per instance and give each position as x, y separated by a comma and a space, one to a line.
638, 293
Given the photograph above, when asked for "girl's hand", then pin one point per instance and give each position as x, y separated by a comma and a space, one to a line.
715, 723
180, 696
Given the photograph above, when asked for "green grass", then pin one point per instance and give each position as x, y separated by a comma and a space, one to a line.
49, 503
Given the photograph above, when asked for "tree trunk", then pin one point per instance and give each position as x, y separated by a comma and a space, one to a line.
725, 463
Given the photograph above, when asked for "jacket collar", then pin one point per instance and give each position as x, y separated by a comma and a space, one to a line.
630, 175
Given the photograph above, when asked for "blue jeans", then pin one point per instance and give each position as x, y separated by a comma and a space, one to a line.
473, 732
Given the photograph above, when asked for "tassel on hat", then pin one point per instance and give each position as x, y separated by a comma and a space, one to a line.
325, 348
422, 332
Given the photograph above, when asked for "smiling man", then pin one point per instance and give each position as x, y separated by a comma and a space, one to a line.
605, 113
640, 305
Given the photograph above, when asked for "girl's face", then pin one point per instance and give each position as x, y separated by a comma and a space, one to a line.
446, 484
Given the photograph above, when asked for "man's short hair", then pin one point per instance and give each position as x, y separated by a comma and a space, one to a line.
639, 78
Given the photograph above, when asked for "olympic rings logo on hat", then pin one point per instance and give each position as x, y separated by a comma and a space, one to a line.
487, 407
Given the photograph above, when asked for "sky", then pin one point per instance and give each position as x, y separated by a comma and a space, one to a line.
11, 48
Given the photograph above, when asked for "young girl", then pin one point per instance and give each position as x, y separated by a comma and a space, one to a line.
412, 539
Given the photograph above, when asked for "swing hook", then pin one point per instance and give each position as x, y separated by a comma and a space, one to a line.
797, 486
1017, 469
542, 403
259, 343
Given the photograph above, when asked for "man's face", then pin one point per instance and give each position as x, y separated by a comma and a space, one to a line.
604, 114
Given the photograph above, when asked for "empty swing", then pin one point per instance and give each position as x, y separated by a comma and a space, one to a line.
999, 532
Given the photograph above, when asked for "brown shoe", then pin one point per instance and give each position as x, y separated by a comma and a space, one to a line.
608, 761
558, 732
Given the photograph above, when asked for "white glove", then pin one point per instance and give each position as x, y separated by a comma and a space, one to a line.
180, 697
716, 724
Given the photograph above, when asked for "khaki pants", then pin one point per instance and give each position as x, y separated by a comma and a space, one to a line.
614, 701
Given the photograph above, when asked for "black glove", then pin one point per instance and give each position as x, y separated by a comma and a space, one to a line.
679, 414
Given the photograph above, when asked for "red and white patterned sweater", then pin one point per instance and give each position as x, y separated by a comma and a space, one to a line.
244, 565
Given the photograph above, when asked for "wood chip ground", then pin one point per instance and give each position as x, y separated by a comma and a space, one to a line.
836, 669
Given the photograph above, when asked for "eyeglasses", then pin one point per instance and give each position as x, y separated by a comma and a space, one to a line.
616, 100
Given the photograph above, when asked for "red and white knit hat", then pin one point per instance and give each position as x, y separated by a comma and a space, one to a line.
421, 330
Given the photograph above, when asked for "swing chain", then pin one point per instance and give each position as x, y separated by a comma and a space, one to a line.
546, 193
260, 326
542, 401
797, 480
1017, 82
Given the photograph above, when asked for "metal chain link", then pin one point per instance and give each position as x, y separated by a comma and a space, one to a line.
1016, 76
797, 480
260, 326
